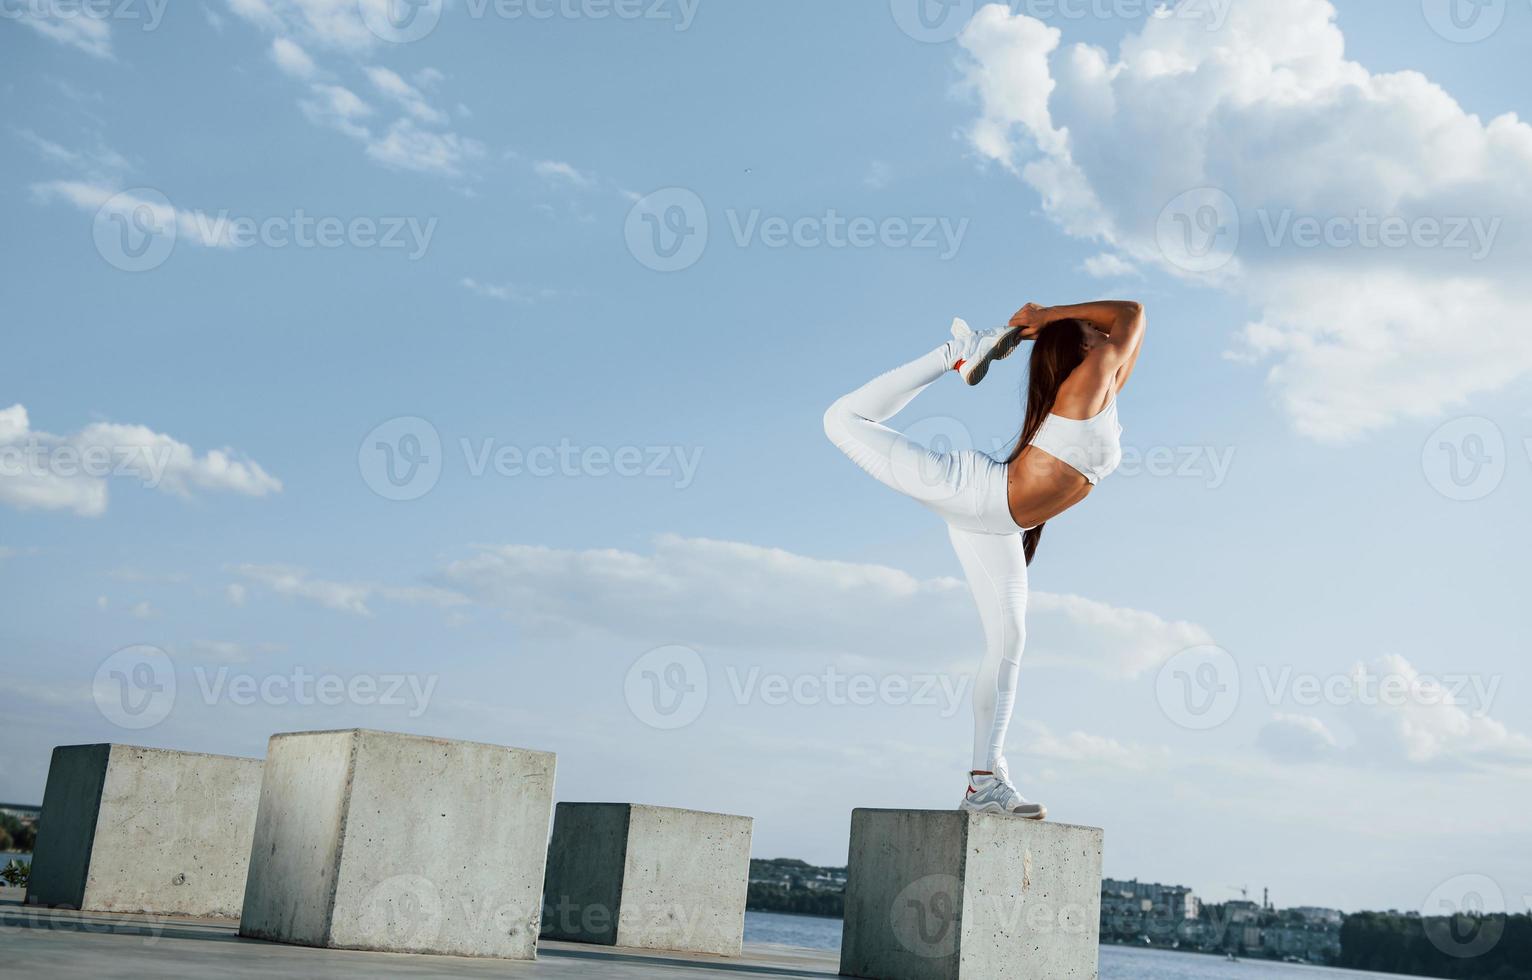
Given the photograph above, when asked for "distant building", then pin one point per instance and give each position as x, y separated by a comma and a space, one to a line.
1149, 913
1319, 916
1241, 911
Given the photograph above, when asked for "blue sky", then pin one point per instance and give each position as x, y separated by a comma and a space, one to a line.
1289, 497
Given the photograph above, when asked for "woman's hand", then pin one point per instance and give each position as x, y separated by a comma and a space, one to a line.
1030, 318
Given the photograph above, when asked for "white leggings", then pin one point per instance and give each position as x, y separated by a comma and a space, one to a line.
968, 489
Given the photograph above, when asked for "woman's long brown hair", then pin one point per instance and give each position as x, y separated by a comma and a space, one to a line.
1056, 351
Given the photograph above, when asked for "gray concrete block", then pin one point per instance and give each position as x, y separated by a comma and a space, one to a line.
130, 829
948, 895
401, 843
647, 876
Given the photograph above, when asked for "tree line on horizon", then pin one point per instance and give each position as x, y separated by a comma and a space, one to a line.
1460, 947
16, 835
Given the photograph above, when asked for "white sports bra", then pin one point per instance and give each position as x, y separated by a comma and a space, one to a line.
1093, 446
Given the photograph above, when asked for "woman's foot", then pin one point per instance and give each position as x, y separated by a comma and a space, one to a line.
976, 351
992, 792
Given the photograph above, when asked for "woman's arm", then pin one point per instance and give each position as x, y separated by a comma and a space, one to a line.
1120, 319
1123, 322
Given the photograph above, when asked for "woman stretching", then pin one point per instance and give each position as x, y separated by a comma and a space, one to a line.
1082, 356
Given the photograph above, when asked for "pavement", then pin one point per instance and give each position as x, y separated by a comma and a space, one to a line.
58, 943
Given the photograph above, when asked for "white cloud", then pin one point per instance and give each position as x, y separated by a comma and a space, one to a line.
403, 145
1111, 640
292, 59
99, 163
236, 594
143, 610
707, 592
337, 26
1297, 737
1109, 266
76, 29
1395, 714
70, 472
1267, 109
1011, 75
136, 575
406, 95
295, 583
350, 597
197, 227
745, 597
218, 651
557, 170
222, 651
406, 146
1432, 724
326, 23
1082, 748
506, 292
339, 108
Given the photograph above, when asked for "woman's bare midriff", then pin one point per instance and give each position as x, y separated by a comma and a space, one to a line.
1040, 487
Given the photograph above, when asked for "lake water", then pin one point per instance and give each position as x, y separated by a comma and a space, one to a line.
1117, 962
807, 931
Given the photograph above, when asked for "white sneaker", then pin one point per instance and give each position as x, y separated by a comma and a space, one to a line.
978, 350
993, 793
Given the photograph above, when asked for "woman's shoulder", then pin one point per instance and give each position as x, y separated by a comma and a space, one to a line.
1088, 390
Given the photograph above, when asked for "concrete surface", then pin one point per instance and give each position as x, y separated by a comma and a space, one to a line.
400, 843
130, 829
947, 895
583, 884
648, 877
71, 799
65, 945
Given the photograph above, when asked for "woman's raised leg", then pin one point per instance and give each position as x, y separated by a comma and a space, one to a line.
854, 425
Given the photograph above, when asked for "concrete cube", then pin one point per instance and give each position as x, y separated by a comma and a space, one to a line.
401, 843
948, 895
621, 874
129, 829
